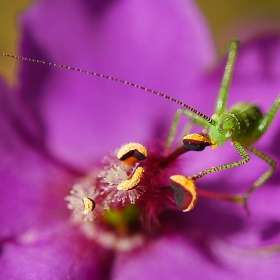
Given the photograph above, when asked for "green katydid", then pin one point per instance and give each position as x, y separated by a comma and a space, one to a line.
243, 123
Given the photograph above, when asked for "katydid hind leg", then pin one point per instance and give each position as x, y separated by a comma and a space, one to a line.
265, 176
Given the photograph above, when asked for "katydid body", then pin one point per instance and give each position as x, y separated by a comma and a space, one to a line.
243, 124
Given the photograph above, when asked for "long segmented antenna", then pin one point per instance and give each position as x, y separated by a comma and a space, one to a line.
189, 108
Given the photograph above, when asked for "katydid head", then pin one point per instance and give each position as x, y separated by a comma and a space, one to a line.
223, 129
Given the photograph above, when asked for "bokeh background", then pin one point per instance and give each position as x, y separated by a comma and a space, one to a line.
231, 18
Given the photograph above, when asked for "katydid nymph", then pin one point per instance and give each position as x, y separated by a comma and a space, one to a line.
243, 123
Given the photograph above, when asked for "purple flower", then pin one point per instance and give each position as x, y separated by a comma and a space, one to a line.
60, 130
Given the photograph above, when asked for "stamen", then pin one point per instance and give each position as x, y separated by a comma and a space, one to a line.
112, 175
196, 142
89, 205
132, 195
132, 180
132, 152
84, 202
121, 181
185, 193
171, 157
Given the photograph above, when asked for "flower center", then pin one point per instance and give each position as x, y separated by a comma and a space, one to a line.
125, 195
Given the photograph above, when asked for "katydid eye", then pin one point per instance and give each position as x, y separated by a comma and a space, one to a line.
229, 133
227, 126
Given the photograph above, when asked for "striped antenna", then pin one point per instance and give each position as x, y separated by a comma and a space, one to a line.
189, 108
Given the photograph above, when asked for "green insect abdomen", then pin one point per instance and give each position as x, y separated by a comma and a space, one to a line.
248, 116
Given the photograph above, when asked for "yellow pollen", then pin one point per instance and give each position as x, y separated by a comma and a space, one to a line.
131, 181
186, 185
198, 137
132, 152
89, 205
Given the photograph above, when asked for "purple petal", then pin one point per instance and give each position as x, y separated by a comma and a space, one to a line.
63, 255
161, 45
36, 239
31, 186
174, 258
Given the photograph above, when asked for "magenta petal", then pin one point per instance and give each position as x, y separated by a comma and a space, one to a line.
37, 241
63, 255
161, 45
32, 188
174, 258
